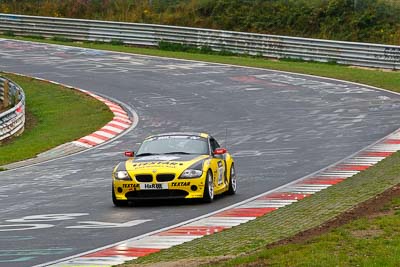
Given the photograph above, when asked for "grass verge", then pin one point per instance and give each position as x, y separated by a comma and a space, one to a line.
288, 221
55, 115
372, 239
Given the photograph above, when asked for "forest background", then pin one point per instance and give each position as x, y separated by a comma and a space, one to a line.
376, 21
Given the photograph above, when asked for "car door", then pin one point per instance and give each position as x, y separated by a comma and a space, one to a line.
218, 166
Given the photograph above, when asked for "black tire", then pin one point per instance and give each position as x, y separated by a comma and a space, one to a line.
232, 182
116, 202
208, 194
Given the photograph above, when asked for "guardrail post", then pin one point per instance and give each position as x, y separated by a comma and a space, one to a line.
16, 97
6, 100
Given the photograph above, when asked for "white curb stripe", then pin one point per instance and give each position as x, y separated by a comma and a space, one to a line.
377, 159
170, 238
120, 124
78, 143
394, 136
117, 109
219, 221
306, 190
105, 134
159, 242
111, 105
93, 139
360, 163
309, 186
385, 148
256, 204
97, 261
123, 118
107, 127
340, 173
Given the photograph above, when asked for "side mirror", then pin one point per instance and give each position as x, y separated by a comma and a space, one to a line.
220, 151
129, 154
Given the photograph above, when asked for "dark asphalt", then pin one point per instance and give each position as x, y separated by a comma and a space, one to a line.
280, 127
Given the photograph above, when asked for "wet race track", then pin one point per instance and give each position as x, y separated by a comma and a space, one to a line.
280, 126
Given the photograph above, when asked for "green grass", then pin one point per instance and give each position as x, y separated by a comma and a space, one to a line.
368, 241
56, 115
300, 216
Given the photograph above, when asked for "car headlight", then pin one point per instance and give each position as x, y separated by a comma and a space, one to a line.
194, 171
121, 175
191, 173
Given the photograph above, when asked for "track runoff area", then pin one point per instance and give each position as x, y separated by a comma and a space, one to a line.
281, 127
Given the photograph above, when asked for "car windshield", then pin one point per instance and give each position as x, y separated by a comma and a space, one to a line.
177, 144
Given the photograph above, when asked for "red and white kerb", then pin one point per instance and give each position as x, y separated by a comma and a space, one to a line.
286, 195
119, 123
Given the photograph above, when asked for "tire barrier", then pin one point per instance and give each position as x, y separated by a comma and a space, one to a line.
12, 117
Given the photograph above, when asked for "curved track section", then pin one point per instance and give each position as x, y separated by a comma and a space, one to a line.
281, 127
120, 123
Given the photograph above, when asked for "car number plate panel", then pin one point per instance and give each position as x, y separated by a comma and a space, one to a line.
153, 186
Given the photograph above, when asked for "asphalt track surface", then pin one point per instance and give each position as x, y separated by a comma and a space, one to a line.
281, 127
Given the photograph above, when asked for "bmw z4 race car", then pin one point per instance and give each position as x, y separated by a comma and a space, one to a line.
174, 165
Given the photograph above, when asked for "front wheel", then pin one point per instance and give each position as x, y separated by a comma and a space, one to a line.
208, 195
116, 202
232, 182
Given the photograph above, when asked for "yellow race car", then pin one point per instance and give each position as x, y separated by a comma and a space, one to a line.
174, 165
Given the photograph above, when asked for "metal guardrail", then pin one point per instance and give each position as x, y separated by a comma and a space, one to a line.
273, 46
12, 98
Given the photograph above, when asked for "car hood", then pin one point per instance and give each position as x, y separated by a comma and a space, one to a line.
162, 163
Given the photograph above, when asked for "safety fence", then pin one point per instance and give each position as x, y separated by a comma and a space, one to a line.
272, 46
12, 103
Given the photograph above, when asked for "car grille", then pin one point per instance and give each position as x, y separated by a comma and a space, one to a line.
144, 178
165, 177
154, 194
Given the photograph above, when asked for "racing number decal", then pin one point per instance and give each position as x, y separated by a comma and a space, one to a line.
221, 172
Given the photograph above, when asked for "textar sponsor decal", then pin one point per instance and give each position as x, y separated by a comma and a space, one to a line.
130, 185
180, 183
152, 164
